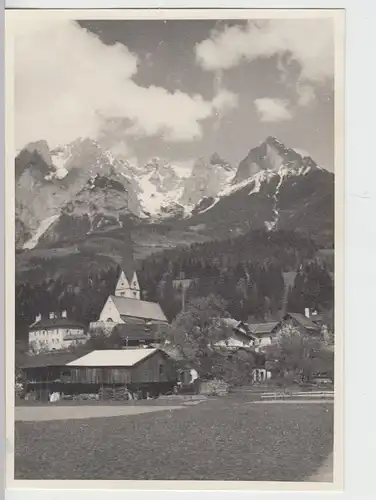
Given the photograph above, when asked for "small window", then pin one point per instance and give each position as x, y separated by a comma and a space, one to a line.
109, 319
135, 294
161, 367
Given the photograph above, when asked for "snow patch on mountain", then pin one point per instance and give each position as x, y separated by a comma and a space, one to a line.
235, 187
59, 163
270, 225
42, 228
152, 199
283, 172
183, 169
259, 178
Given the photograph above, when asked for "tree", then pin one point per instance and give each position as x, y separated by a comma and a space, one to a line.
299, 355
101, 341
194, 337
170, 303
196, 330
236, 368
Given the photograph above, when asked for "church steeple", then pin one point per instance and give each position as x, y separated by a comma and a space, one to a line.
128, 288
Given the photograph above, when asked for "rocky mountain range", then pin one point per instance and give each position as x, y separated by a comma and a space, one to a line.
80, 196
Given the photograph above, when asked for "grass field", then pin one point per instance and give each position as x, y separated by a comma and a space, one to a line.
224, 439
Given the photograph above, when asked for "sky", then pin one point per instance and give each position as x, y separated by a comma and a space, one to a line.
177, 89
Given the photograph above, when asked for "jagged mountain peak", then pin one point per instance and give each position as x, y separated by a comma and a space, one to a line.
272, 155
215, 159
41, 147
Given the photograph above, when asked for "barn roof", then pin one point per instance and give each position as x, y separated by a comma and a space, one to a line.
138, 308
303, 320
54, 358
136, 331
262, 328
56, 323
113, 357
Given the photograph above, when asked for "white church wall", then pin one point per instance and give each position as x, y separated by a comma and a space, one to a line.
110, 313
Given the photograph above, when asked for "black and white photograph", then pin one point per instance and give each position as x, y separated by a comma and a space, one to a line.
175, 206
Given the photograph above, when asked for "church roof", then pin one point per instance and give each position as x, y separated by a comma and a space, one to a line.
138, 308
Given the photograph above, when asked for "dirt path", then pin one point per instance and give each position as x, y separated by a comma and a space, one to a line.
37, 414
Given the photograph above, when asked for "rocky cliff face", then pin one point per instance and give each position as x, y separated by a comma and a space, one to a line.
208, 178
274, 188
81, 189
49, 180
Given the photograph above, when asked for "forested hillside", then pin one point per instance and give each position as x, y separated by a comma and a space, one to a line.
247, 271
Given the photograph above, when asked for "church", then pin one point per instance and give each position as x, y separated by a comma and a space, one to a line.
132, 318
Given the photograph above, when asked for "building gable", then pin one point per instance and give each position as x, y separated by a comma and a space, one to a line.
110, 313
302, 321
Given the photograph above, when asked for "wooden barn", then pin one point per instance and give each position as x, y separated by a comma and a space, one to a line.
139, 369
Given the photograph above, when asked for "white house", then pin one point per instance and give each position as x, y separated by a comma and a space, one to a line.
55, 332
239, 337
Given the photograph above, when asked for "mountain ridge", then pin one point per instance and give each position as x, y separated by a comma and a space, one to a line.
268, 189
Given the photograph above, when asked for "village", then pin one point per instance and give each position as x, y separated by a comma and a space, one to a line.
126, 355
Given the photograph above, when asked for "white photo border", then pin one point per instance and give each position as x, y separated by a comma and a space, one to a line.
360, 236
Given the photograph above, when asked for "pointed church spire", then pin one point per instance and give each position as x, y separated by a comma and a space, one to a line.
128, 288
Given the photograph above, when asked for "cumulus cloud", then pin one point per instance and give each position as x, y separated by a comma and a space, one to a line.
306, 94
68, 84
273, 110
307, 41
225, 100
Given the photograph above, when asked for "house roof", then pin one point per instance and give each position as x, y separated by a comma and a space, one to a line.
47, 323
262, 328
54, 358
136, 331
138, 308
303, 320
113, 357
233, 323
